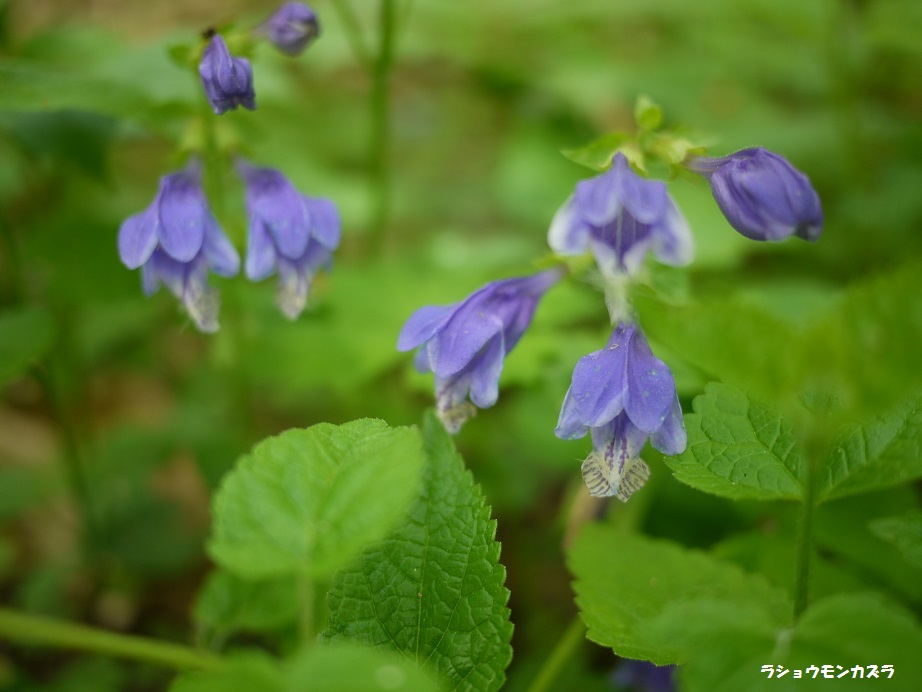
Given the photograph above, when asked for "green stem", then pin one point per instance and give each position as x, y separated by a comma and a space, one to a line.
354, 33
567, 645
42, 631
71, 459
73, 467
379, 164
14, 264
804, 549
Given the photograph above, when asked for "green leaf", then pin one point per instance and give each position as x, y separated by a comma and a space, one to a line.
598, 153
351, 668
433, 589
26, 335
730, 339
625, 582
647, 114
844, 533
228, 604
739, 449
34, 87
310, 500
242, 671
840, 631
64, 137
877, 455
339, 668
904, 532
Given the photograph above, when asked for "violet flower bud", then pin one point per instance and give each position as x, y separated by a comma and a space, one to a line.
465, 344
289, 232
292, 28
175, 242
622, 395
762, 195
228, 81
619, 216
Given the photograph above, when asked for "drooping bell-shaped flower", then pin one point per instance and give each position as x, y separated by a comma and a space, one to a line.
176, 241
619, 216
465, 344
622, 395
290, 233
762, 195
292, 28
228, 81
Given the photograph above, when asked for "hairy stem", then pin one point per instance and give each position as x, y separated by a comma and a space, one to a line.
42, 631
566, 646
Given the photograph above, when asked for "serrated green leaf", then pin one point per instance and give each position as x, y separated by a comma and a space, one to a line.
880, 454
433, 590
625, 582
310, 500
904, 532
26, 334
598, 153
739, 449
228, 604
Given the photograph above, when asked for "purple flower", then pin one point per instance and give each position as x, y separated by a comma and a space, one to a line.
228, 81
289, 233
762, 195
464, 344
623, 395
292, 28
176, 241
619, 216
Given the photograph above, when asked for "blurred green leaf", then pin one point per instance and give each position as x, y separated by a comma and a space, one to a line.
433, 590
880, 454
624, 583
739, 449
843, 533
731, 340
598, 153
241, 671
64, 137
35, 87
228, 604
840, 631
351, 668
905, 532
26, 335
309, 500
339, 668
647, 114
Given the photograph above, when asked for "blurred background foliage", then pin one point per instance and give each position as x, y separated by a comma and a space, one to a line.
484, 96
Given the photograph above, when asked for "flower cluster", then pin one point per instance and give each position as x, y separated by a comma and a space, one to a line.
622, 395
177, 240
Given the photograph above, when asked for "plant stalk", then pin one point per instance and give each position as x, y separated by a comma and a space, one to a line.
566, 647
42, 631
